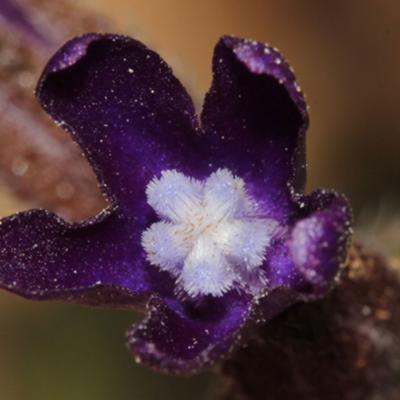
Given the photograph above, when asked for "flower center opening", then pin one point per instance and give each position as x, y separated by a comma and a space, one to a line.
211, 236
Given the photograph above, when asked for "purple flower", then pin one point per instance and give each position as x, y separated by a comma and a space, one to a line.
208, 227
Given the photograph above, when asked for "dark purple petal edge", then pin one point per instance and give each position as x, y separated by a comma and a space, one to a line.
174, 339
96, 262
122, 104
254, 118
318, 242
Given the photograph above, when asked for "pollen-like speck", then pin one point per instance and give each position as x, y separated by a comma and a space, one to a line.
211, 235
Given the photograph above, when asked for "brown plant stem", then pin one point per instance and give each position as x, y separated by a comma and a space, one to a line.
38, 160
343, 347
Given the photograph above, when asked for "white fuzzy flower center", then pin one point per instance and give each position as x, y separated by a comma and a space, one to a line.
210, 236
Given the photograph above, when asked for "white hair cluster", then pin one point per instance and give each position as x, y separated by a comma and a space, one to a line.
210, 236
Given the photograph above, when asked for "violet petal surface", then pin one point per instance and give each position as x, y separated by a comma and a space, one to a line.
308, 257
42, 257
255, 117
318, 243
130, 115
181, 337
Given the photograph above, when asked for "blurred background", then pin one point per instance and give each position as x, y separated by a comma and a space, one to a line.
346, 57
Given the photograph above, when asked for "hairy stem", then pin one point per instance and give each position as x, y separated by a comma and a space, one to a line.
344, 347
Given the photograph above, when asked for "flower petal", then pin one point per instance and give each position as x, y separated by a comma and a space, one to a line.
186, 338
280, 270
318, 243
307, 258
254, 119
97, 262
124, 107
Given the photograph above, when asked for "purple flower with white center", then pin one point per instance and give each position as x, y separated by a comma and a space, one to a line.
208, 227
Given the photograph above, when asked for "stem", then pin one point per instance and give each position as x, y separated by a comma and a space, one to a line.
343, 347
